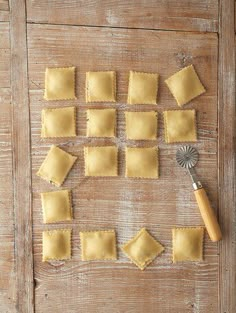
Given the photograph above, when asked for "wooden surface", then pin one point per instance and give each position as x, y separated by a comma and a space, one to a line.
162, 37
226, 160
21, 159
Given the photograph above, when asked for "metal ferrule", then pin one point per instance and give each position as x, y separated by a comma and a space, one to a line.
197, 185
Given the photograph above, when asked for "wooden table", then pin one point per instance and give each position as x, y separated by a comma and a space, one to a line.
152, 36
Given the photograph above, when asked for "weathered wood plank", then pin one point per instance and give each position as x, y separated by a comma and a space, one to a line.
4, 11
227, 153
4, 56
21, 160
4, 5
7, 265
194, 15
120, 203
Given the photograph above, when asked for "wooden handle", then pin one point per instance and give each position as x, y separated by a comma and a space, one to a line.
208, 215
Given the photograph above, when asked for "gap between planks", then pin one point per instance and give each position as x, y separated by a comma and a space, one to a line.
123, 27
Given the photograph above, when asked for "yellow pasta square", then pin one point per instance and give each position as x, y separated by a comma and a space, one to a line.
143, 88
141, 125
59, 122
57, 244
142, 249
142, 162
180, 126
101, 86
60, 83
98, 245
101, 122
101, 161
56, 166
185, 85
187, 244
56, 206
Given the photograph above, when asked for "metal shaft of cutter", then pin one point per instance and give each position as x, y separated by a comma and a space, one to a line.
196, 183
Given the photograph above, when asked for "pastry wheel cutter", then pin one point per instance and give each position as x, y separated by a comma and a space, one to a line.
187, 157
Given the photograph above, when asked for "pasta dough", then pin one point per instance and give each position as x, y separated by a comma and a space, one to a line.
98, 245
101, 122
142, 162
56, 166
60, 83
185, 85
101, 86
142, 88
101, 161
59, 122
56, 206
57, 244
180, 126
141, 125
187, 244
142, 249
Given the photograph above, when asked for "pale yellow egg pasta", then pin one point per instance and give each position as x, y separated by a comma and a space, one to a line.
58, 122
187, 244
56, 166
56, 206
180, 126
185, 85
101, 161
57, 244
141, 162
101, 122
142, 249
98, 245
60, 83
142, 88
141, 125
101, 86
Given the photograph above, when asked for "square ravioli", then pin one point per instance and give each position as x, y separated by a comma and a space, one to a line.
57, 244
101, 161
60, 83
56, 206
141, 125
101, 122
56, 166
142, 249
187, 244
143, 88
141, 162
180, 126
98, 245
185, 85
101, 86
59, 122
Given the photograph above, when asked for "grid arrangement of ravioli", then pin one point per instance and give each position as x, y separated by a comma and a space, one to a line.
57, 122
141, 162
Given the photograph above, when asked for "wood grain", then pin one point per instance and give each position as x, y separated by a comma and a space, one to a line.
21, 160
7, 265
4, 11
125, 204
4, 5
193, 15
227, 153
